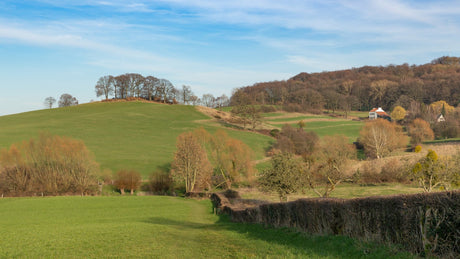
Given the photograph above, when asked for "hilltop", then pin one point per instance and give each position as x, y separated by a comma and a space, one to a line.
122, 135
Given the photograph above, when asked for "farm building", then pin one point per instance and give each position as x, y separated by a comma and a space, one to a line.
378, 113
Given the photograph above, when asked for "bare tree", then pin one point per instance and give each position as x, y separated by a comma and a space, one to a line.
380, 137
49, 102
104, 86
222, 101
121, 86
191, 165
149, 88
185, 94
164, 89
208, 100
194, 100
67, 100
135, 82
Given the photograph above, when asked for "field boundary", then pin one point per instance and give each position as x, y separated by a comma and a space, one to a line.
425, 223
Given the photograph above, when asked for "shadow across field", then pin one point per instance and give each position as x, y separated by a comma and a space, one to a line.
299, 243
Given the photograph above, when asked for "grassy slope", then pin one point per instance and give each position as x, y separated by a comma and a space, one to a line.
321, 125
132, 135
153, 227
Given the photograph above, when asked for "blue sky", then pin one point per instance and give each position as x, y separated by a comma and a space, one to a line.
51, 47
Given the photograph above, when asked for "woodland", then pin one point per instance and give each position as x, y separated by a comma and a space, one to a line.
361, 88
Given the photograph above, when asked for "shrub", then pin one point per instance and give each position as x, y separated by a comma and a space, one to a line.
418, 149
161, 183
394, 171
370, 173
274, 132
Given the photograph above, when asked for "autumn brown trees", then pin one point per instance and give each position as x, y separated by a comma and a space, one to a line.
419, 130
191, 165
127, 179
49, 165
370, 86
206, 161
380, 137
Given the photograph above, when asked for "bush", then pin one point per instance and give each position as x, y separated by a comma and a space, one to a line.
161, 183
418, 149
370, 173
394, 171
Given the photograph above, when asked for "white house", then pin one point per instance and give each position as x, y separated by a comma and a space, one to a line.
377, 113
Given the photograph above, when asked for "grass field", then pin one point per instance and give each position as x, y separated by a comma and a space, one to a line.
344, 190
320, 124
154, 227
122, 135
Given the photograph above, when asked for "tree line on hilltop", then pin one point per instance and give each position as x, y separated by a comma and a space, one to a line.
153, 89
361, 88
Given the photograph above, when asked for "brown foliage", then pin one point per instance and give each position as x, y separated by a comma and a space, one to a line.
380, 137
419, 131
161, 183
296, 141
127, 179
231, 159
49, 165
191, 165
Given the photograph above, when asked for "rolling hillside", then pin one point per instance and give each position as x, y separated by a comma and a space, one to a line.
131, 135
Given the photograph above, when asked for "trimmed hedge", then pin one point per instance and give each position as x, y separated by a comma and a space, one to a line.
425, 223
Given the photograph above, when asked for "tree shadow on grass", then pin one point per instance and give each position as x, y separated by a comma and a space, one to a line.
300, 244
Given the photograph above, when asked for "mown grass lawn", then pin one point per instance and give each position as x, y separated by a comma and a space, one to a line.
122, 135
154, 227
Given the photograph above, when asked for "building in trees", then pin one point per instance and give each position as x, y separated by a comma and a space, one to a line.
376, 113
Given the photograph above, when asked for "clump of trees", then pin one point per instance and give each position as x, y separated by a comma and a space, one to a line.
204, 161
127, 180
151, 88
64, 101
302, 161
48, 165
67, 100
296, 141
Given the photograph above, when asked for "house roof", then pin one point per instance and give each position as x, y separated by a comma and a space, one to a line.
380, 111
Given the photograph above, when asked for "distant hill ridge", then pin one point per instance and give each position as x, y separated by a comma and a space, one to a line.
364, 88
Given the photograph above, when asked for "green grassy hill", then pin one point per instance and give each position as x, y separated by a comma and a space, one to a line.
122, 135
